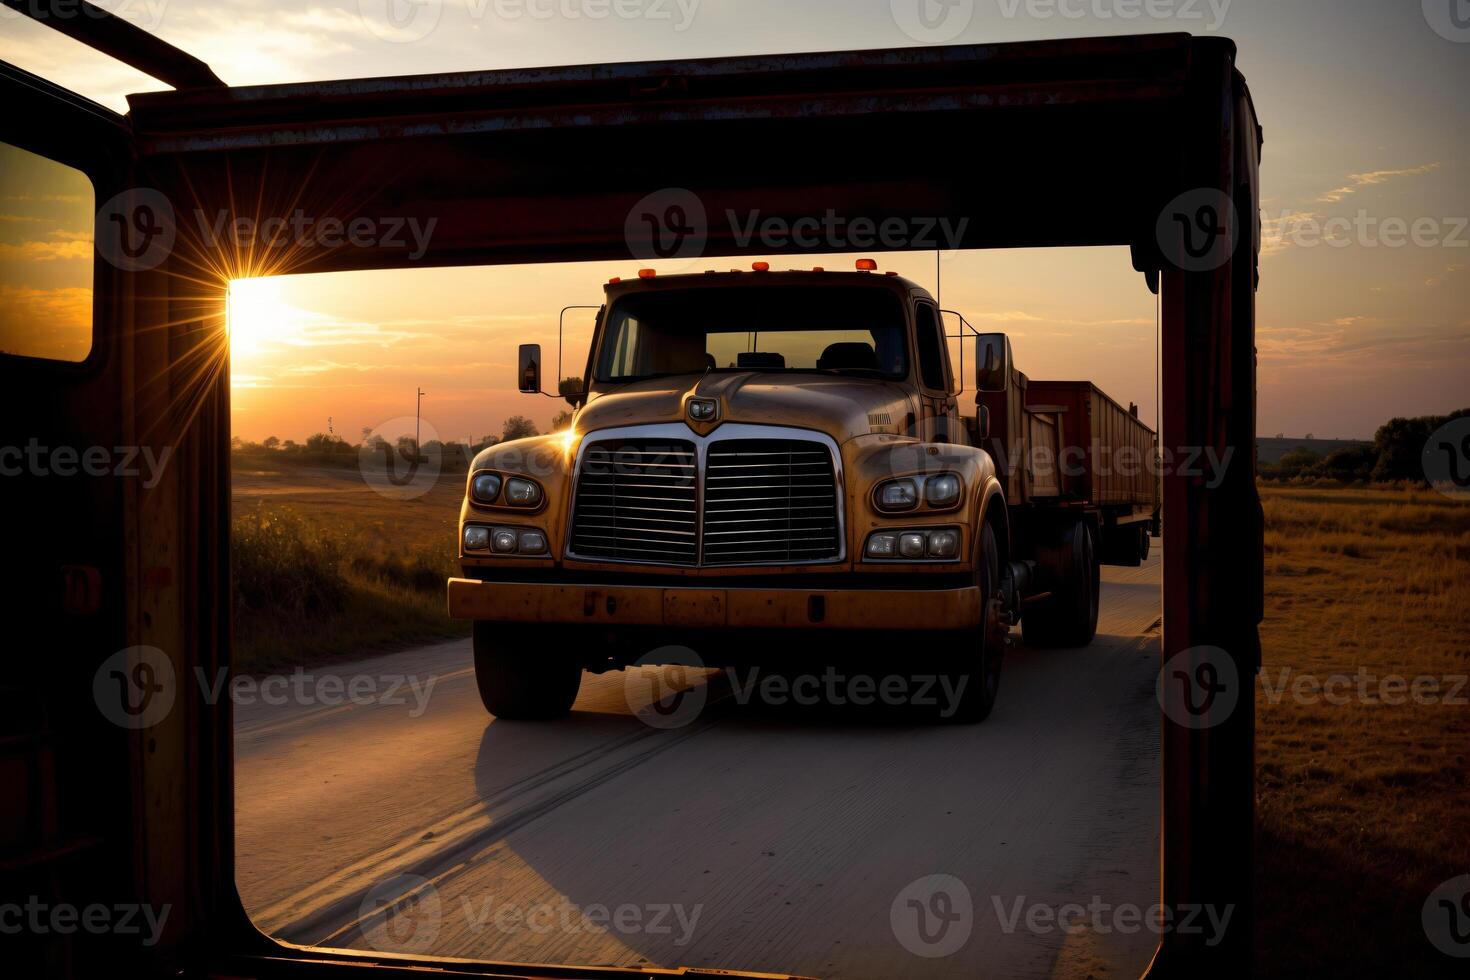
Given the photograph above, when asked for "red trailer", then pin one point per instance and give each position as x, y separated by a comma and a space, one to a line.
1105, 460
1081, 491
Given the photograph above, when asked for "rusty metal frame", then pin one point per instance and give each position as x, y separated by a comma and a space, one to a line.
99, 29
490, 152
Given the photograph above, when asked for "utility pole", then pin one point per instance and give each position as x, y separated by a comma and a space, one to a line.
417, 406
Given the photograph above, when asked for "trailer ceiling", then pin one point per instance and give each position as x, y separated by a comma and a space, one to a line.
1036, 144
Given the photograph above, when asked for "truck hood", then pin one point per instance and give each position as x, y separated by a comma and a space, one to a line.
842, 407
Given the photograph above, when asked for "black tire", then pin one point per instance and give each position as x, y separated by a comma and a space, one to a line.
982, 680
1145, 541
519, 678
1068, 618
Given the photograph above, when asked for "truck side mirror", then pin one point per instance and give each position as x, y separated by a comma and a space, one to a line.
992, 361
982, 423
530, 369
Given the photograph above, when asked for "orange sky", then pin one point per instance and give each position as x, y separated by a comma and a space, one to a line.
353, 346
1365, 117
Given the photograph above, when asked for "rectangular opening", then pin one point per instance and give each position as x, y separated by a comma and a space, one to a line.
702, 805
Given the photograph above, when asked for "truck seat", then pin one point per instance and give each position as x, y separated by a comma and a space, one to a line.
851, 354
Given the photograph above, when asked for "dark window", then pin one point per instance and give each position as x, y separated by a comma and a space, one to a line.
931, 348
842, 329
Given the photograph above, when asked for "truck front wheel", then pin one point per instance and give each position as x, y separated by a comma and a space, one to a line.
982, 680
522, 677
1068, 617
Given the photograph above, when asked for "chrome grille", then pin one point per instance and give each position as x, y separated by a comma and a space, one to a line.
653, 498
637, 500
769, 500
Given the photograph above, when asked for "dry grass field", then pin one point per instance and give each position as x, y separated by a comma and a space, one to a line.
1361, 785
328, 569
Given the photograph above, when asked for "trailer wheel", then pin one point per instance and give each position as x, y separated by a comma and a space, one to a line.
982, 680
1068, 618
522, 678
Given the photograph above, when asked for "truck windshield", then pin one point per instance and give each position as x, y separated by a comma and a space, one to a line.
855, 330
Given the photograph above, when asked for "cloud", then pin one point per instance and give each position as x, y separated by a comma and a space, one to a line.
76, 248
1371, 340
1274, 237
1371, 178
46, 322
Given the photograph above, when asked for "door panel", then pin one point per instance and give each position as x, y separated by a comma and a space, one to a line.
85, 453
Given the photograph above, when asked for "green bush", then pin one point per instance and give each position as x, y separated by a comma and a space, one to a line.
281, 566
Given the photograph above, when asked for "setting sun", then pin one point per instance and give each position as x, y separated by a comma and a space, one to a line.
258, 319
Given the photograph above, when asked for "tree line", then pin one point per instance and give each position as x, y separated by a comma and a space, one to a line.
1394, 455
328, 449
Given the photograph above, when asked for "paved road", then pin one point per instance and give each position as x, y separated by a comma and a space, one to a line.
787, 840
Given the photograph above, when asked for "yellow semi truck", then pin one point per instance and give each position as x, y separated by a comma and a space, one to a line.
760, 456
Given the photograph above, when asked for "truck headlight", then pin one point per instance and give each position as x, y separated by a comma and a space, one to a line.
898, 495
882, 546
485, 488
942, 490
943, 544
507, 542
522, 493
914, 544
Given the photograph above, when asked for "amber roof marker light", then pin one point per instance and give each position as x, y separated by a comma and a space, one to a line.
867, 265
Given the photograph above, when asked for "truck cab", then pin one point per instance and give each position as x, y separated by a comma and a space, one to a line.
757, 457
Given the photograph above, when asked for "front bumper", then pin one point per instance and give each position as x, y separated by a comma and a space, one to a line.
755, 608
